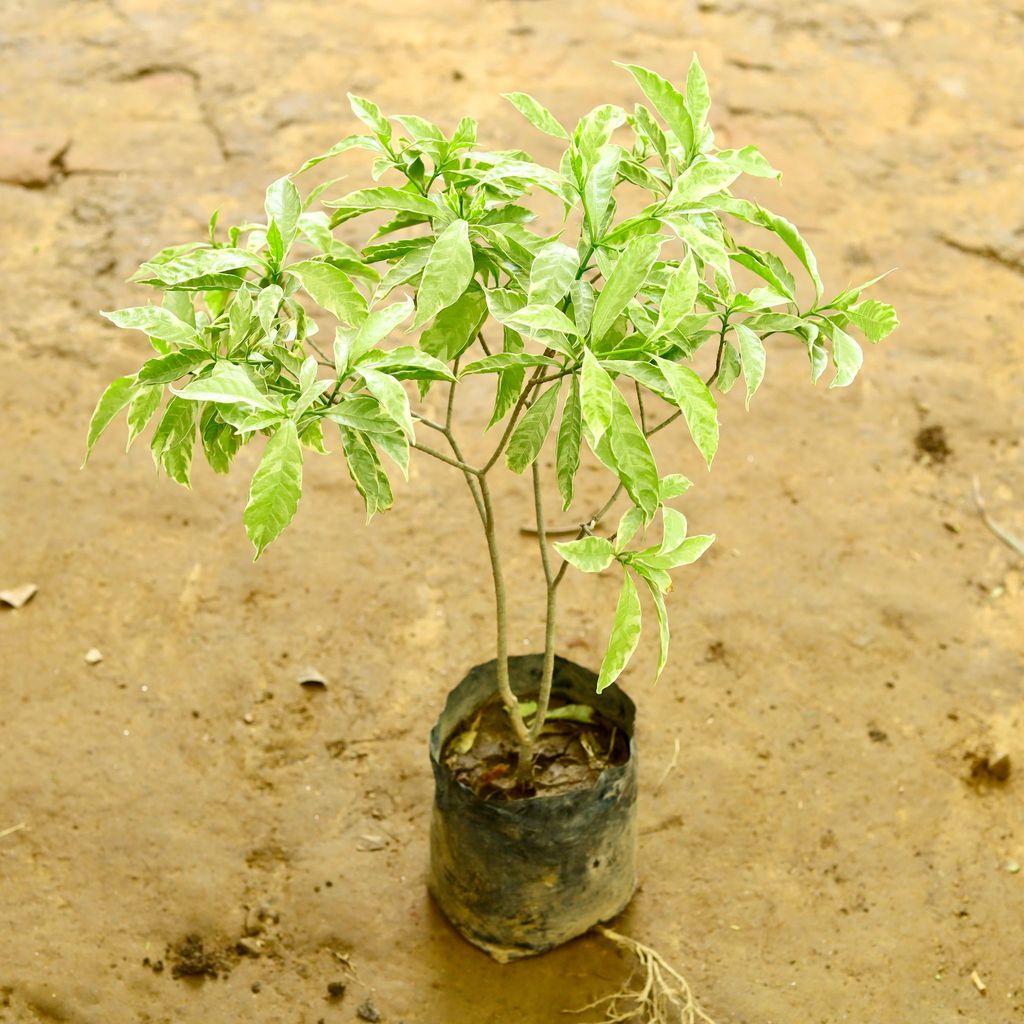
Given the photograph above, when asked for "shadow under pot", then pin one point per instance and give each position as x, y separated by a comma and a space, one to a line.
519, 875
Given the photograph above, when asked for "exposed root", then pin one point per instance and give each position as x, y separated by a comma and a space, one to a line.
654, 993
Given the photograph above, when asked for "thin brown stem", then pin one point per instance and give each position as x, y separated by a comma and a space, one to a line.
547, 675
456, 462
508, 698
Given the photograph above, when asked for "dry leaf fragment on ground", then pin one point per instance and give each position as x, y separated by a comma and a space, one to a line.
311, 677
15, 597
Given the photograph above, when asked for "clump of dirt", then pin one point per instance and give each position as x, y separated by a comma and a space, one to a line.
931, 444
986, 767
191, 959
574, 747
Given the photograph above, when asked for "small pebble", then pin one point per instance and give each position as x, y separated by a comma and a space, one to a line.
1012, 866
371, 843
93, 656
335, 989
255, 988
368, 1012
248, 718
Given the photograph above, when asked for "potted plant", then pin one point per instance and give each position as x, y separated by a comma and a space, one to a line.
588, 336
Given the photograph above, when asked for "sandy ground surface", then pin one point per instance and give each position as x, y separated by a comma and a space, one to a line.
816, 854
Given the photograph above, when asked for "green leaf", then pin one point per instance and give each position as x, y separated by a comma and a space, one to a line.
141, 410
392, 397
367, 473
673, 485
455, 328
596, 397
697, 405
710, 250
667, 101
679, 298
174, 440
377, 326
370, 114
700, 180
220, 442
663, 630
876, 319
114, 398
181, 304
673, 530
200, 264
384, 197
632, 458
173, 366
749, 160
625, 281
729, 371
505, 360
631, 521
847, 356
567, 448
752, 357
228, 384
539, 322
584, 298
349, 142
754, 214
333, 289
553, 272
361, 413
283, 206
396, 446
539, 116
276, 488
624, 637
687, 552
157, 322
407, 363
597, 192
589, 554
447, 274
528, 437
698, 102
267, 304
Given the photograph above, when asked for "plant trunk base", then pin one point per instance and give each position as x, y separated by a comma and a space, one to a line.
519, 877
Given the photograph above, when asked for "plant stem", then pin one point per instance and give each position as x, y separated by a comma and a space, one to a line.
508, 698
544, 694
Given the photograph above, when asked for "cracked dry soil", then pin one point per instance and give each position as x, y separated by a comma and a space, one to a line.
850, 646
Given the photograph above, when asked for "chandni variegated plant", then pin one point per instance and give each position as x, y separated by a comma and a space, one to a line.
592, 328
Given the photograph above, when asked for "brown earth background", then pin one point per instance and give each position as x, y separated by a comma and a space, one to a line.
816, 854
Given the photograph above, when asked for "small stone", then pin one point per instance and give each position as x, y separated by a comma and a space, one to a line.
368, 1012
369, 844
999, 767
877, 735
248, 718
255, 988
248, 947
1012, 866
336, 989
93, 656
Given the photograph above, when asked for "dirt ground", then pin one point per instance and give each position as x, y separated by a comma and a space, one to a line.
818, 853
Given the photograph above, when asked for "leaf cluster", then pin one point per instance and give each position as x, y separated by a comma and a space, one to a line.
590, 330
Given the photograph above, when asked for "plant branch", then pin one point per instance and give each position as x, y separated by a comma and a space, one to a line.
547, 675
508, 698
457, 463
